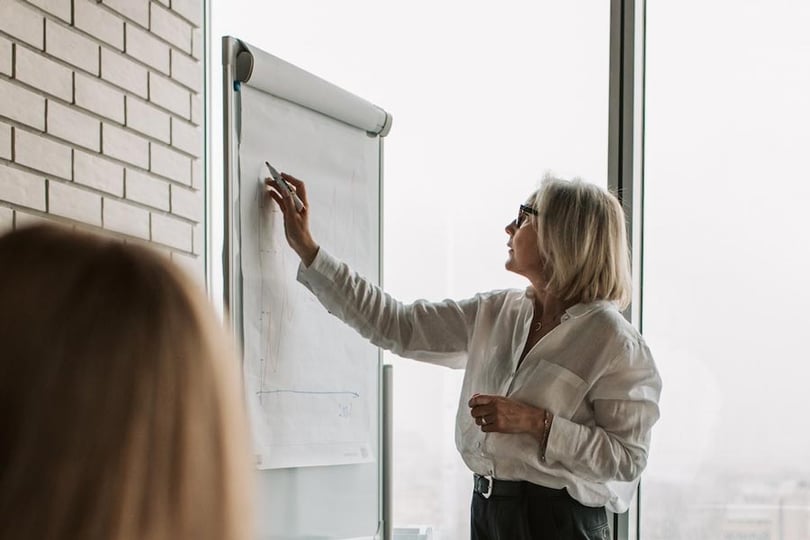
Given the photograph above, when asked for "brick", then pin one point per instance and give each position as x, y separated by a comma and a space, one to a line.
143, 46
171, 164
187, 203
6, 219
60, 8
22, 105
22, 220
187, 137
22, 188
103, 99
148, 120
98, 173
123, 72
137, 10
123, 145
171, 232
5, 56
71, 47
41, 154
146, 190
196, 43
22, 22
171, 27
124, 218
44, 74
198, 239
169, 95
99, 23
70, 124
196, 110
190, 10
5, 141
187, 71
197, 174
74, 203
193, 266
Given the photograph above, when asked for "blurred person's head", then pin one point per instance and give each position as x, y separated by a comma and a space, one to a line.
120, 408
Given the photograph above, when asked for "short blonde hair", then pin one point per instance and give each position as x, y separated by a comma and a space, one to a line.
120, 399
582, 236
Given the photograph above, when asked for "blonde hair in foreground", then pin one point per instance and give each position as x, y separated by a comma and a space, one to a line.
120, 403
582, 236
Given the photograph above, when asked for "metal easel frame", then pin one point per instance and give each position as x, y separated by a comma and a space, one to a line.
234, 70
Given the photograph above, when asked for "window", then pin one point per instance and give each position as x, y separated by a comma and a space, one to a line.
485, 99
726, 264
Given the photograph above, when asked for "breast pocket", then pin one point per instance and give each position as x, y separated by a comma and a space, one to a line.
551, 386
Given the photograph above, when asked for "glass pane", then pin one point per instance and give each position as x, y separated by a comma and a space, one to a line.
726, 260
485, 99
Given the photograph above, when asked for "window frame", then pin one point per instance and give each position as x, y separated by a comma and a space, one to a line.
626, 169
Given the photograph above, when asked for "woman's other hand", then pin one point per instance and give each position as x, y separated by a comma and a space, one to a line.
296, 224
499, 414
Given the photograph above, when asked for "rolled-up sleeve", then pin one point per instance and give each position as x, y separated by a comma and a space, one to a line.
625, 407
435, 332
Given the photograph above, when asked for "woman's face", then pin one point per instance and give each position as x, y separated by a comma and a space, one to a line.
524, 253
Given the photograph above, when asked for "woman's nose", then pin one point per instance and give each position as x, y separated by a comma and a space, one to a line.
510, 228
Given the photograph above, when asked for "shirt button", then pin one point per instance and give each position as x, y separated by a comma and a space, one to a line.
565, 317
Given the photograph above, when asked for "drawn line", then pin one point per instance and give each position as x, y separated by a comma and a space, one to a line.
355, 394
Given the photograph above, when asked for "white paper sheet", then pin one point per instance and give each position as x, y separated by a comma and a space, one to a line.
312, 383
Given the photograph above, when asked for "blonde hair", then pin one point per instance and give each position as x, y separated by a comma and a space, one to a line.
581, 234
120, 401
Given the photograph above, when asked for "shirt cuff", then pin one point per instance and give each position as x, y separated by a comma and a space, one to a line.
323, 266
562, 439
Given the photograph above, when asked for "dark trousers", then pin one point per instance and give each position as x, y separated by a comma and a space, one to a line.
524, 511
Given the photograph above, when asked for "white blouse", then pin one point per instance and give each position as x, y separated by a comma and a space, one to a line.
593, 372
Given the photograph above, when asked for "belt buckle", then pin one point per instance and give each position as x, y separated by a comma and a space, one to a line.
486, 494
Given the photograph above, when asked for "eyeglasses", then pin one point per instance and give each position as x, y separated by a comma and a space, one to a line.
522, 213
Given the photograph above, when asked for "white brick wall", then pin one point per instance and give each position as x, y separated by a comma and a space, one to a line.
145, 47
169, 95
5, 141
127, 219
42, 154
21, 22
22, 188
125, 145
5, 56
170, 164
72, 202
99, 97
146, 189
72, 47
59, 8
148, 119
6, 219
122, 71
101, 119
98, 22
39, 72
98, 173
72, 125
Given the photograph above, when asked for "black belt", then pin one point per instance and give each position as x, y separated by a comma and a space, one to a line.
487, 487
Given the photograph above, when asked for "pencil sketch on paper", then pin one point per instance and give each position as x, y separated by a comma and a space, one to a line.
310, 381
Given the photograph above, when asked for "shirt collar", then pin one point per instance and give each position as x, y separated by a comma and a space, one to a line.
577, 310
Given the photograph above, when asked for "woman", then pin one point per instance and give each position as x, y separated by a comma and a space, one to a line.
120, 403
560, 392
